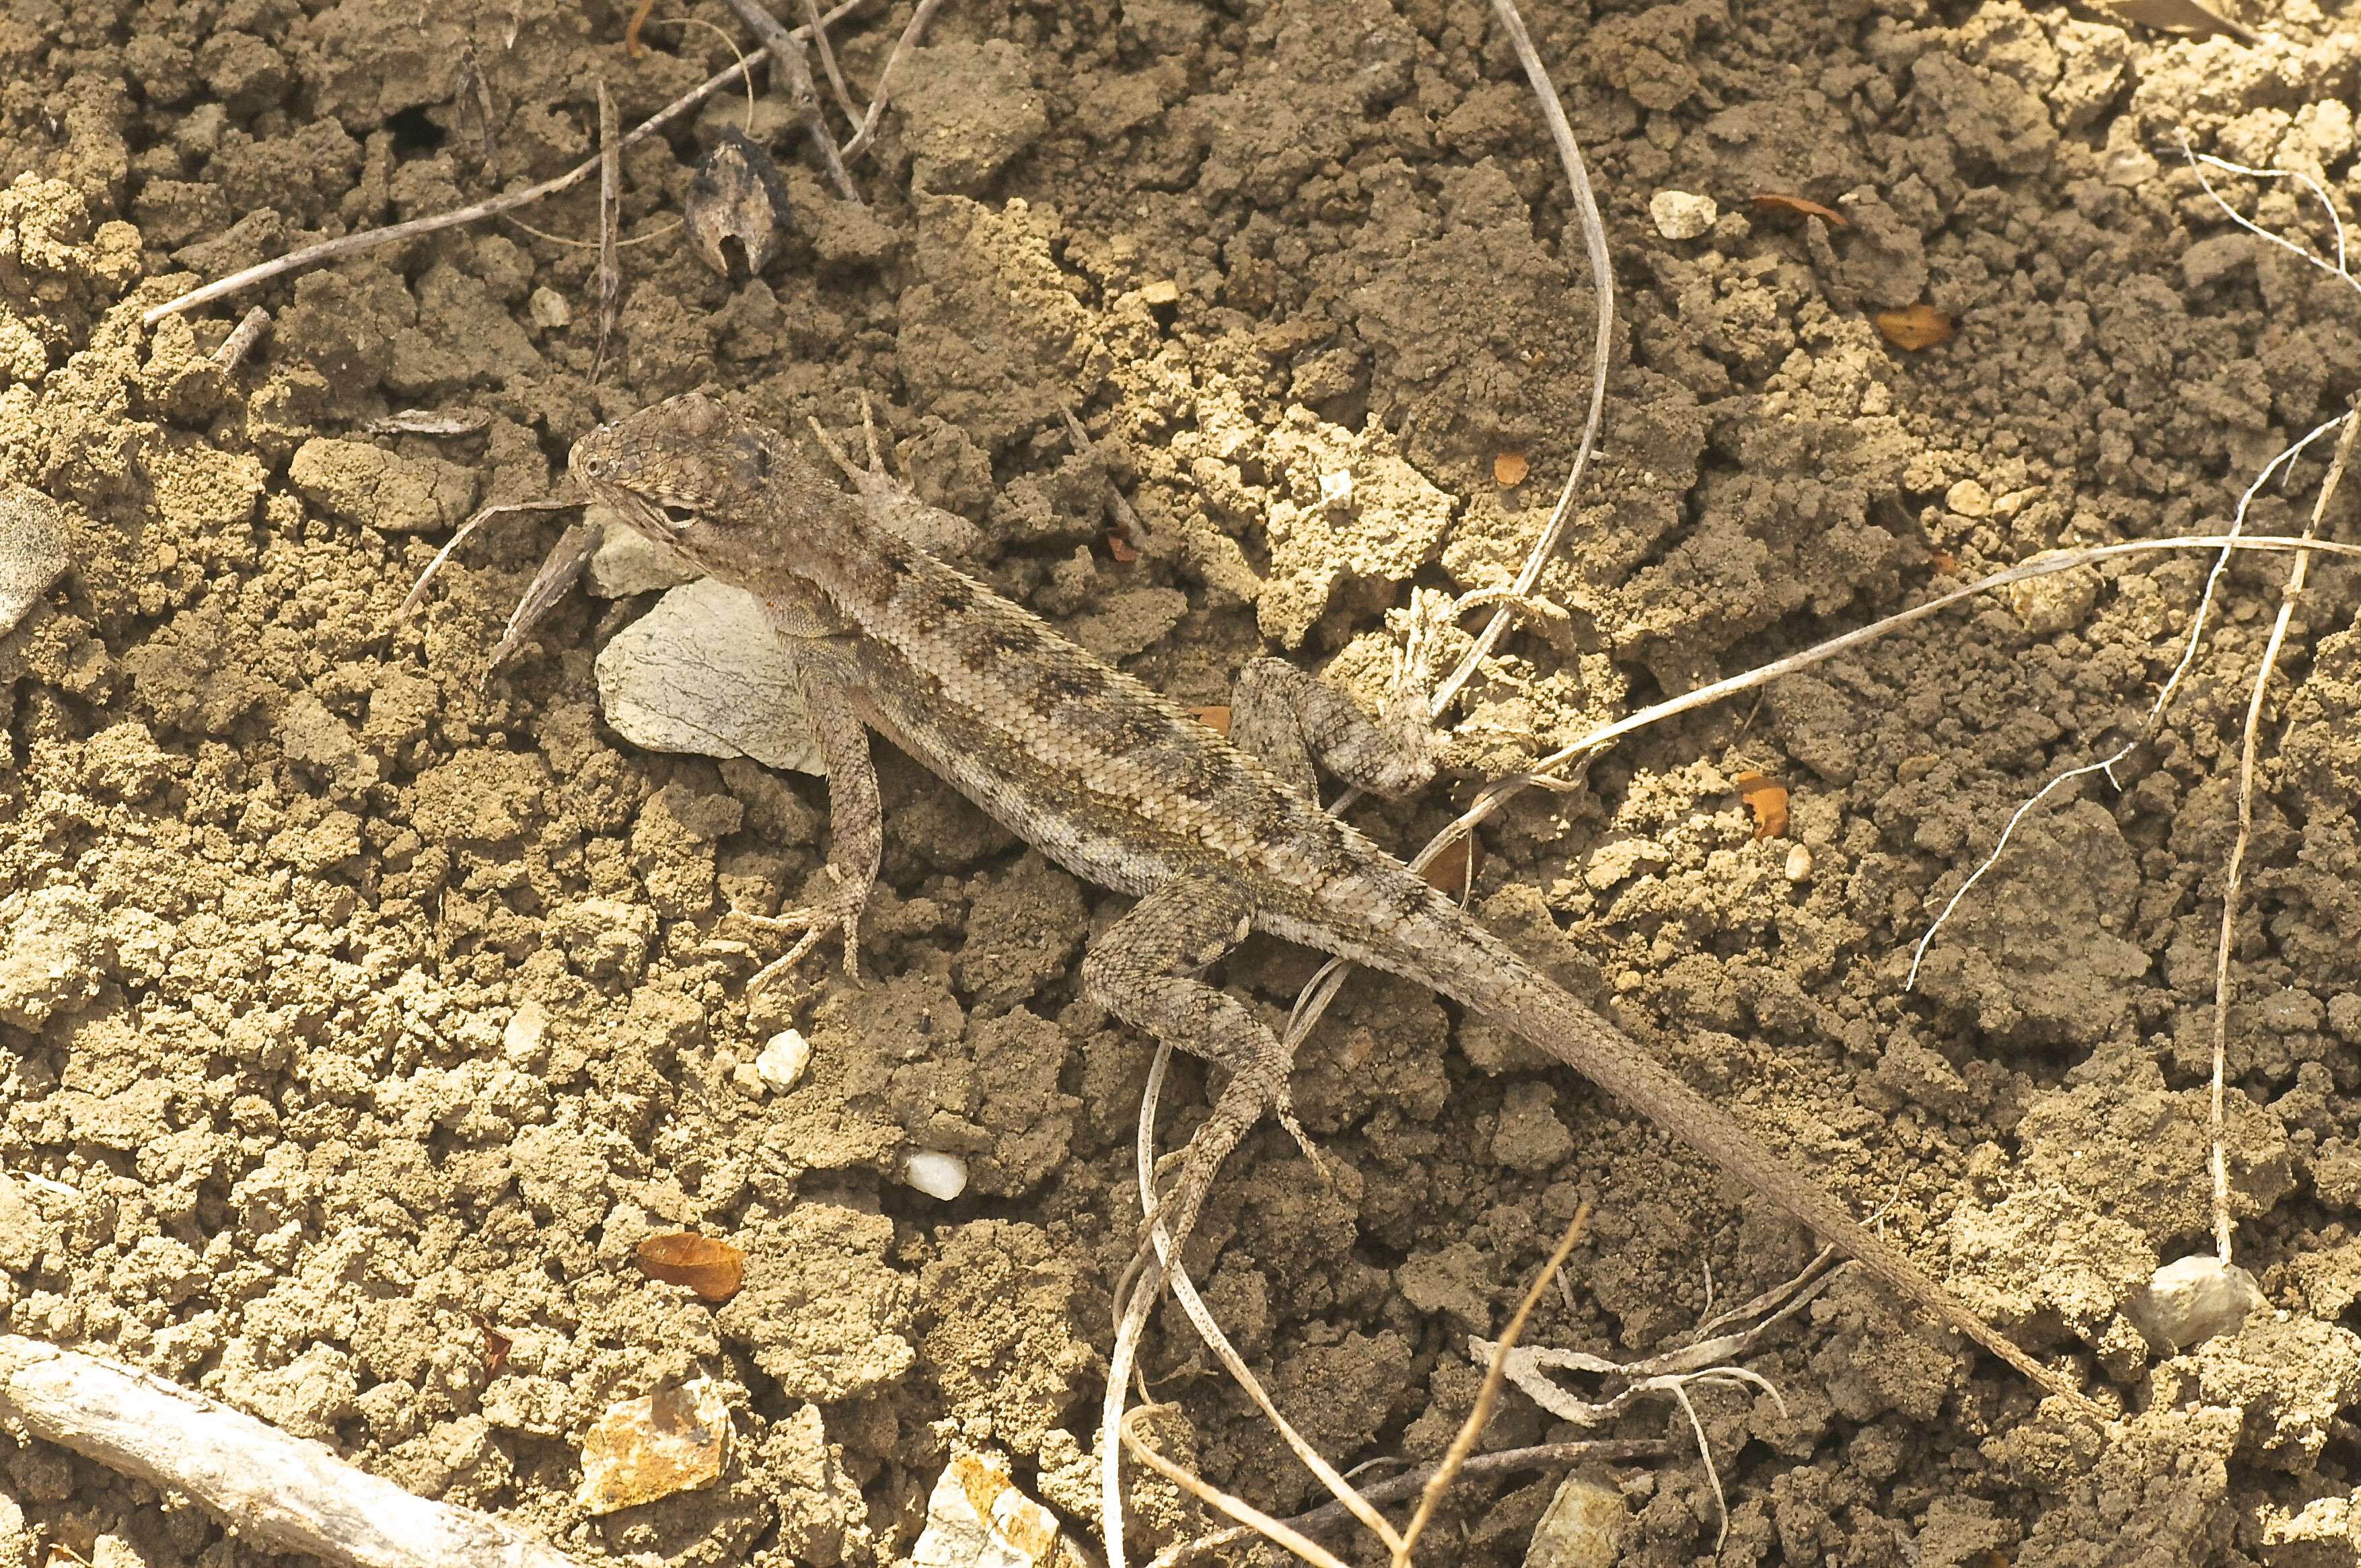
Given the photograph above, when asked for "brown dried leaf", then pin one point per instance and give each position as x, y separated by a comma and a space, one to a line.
1914, 327
735, 194
1767, 799
1509, 469
1216, 720
496, 1347
1120, 548
1454, 867
1942, 563
711, 1268
1772, 202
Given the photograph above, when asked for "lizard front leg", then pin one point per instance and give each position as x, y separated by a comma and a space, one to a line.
856, 821
1144, 969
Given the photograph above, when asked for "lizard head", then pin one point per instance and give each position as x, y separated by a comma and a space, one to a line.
685, 473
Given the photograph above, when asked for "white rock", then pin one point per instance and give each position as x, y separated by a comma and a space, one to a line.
2191, 1299
525, 1038
1682, 215
32, 550
783, 1058
639, 1450
939, 1176
1336, 487
977, 1518
703, 673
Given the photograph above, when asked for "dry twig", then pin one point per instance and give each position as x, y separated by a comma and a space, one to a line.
369, 239
2233, 883
879, 99
791, 71
283, 1493
610, 273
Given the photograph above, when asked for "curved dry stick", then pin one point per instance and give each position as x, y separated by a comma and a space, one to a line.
269, 1488
1602, 283
369, 239
2233, 883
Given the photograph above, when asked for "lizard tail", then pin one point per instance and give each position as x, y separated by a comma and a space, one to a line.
1498, 984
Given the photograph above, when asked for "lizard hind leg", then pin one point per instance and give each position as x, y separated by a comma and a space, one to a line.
1290, 721
1145, 970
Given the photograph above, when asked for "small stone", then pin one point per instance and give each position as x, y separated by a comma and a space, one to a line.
977, 1518
1336, 487
1585, 1525
2190, 1300
2058, 602
1967, 498
1682, 215
939, 1176
548, 309
32, 550
1799, 862
639, 1450
783, 1058
525, 1040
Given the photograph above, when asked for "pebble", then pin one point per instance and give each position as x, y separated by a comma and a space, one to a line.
1680, 215
2191, 1299
939, 1176
32, 550
673, 1441
1799, 862
977, 1518
1585, 1525
1967, 498
783, 1058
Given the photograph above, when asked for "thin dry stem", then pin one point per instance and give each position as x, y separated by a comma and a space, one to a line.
369, 239
2235, 882
790, 71
818, 34
242, 339
1602, 283
2155, 711
1274, 1530
1472, 1428
1507, 1462
878, 99
610, 273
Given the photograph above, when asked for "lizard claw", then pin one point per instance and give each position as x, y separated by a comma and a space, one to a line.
808, 925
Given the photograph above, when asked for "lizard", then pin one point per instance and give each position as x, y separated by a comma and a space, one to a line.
1125, 789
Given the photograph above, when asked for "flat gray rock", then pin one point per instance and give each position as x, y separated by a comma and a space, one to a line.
32, 550
703, 673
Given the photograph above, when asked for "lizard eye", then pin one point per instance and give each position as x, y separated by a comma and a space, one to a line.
680, 517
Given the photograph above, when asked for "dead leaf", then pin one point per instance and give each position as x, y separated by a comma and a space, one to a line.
1454, 867
496, 1347
1767, 799
1509, 469
1942, 563
1914, 327
1772, 203
1120, 548
639, 1449
2175, 16
1216, 720
711, 1268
